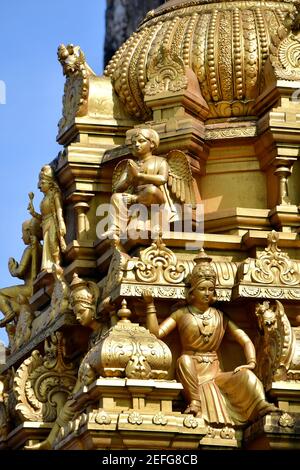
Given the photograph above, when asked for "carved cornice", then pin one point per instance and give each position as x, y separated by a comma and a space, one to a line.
230, 133
162, 271
157, 267
272, 275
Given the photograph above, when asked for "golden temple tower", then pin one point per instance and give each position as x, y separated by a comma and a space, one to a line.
181, 332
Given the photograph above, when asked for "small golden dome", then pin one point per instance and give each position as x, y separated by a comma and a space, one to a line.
225, 43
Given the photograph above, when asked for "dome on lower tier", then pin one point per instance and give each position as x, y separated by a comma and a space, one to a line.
225, 43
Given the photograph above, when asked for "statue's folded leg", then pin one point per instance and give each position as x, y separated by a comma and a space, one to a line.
187, 375
8, 302
245, 395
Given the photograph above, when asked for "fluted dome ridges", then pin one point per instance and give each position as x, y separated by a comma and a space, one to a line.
225, 43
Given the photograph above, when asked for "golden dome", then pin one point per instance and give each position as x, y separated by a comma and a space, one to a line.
225, 43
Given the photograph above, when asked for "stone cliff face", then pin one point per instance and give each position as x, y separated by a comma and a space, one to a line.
122, 19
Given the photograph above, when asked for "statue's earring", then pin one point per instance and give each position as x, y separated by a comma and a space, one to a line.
93, 315
215, 297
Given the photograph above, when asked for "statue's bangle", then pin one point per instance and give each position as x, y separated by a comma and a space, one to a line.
151, 309
251, 360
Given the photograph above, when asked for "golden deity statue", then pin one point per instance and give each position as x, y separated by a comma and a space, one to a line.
51, 218
84, 300
234, 397
193, 130
27, 269
147, 181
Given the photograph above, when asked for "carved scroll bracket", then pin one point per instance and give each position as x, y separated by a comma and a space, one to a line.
273, 275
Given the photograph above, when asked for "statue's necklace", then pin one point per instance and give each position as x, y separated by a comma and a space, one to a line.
205, 325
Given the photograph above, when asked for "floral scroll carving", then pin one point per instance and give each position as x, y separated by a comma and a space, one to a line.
42, 383
166, 73
273, 266
158, 264
285, 48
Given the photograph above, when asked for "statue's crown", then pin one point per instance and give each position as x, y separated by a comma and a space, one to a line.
203, 270
83, 291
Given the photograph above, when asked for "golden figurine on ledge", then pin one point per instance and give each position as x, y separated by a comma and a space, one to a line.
84, 300
219, 397
149, 180
51, 217
27, 269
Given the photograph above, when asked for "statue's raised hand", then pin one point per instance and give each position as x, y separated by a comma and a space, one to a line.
12, 266
147, 296
133, 169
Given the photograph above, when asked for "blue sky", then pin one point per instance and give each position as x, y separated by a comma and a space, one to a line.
30, 33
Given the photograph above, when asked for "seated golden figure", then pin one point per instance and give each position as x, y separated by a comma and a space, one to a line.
219, 397
146, 182
27, 269
51, 218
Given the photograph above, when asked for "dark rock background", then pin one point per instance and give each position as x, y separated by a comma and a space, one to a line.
122, 19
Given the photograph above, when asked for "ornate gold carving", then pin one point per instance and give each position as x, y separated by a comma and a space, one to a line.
289, 54
190, 422
273, 275
159, 265
102, 417
163, 292
42, 383
269, 293
166, 73
274, 266
214, 134
285, 48
278, 349
134, 274
160, 419
227, 433
129, 350
211, 432
135, 418
286, 421
225, 45
251, 51
217, 434
76, 90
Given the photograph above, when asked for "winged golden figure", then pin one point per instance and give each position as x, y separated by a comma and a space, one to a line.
148, 180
